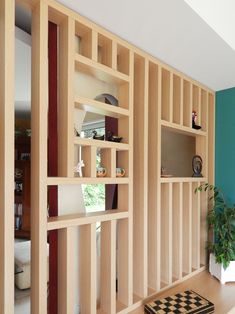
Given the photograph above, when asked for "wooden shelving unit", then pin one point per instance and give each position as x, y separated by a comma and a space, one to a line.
156, 236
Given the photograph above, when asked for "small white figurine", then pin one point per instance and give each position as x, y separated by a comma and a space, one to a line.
78, 168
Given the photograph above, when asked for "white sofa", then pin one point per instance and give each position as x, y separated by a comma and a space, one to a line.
22, 264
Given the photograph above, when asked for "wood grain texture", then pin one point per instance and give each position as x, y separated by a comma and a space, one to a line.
66, 270
66, 98
87, 273
7, 38
39, 158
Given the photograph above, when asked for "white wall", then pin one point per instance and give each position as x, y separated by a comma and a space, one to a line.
22, 72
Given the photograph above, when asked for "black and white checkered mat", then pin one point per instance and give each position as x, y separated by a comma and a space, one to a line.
185, 302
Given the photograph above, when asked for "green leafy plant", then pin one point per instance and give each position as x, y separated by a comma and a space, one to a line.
221, 219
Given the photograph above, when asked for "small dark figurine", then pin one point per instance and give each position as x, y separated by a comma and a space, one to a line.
194, 119
97, 137
197, 166
113, 138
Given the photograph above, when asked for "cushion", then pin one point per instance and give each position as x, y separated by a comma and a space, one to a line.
22, 264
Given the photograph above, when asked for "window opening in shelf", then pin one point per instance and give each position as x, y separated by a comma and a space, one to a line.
94, 197
93, 123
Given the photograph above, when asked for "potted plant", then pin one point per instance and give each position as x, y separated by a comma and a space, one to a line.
221, 219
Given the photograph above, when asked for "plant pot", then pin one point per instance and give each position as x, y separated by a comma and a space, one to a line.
217, 270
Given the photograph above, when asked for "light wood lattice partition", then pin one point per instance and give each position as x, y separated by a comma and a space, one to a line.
156, 236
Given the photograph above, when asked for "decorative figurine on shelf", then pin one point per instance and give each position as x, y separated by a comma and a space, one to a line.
113, 138
78, 168
120, 172
101, 172
107, 99
197, 166
76, 133
164, 173
194, 120
97, 137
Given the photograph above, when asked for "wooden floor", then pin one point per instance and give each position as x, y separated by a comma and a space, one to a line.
223, 296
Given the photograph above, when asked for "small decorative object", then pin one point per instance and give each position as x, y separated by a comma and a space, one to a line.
120, 172
101, 172
108, 99
183, 302
197, 166
194, 120
113, 138
97, 137
28, 132
79, 167
25, 156
76, 133
164, 174
18, 173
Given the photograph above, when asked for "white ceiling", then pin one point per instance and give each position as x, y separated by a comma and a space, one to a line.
171, 31
219, 14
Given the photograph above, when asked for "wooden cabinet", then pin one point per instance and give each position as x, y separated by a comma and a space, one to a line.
22, 187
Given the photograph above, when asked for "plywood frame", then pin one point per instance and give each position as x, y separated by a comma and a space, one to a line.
7, 37
178, 94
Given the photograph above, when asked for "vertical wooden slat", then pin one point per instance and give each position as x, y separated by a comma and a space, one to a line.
190, 105
187, 228
158, 185
166, 233
166, 95
153, 177
125, 227
39, 158
66, 98
140, 176
87, 260
123, 263
177, 217
195, 227
114, 55
108, 267
65, 271
177, 100
211, 138
187, 103
204, 110
171, 98
7, 39
181, 101
203, 228
94, 46
199, 107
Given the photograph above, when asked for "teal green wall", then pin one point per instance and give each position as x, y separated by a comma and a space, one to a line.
225, 143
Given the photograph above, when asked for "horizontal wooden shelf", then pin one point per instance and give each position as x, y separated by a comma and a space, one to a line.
102, 144
98, 107
79, 219
84, 180
99, 71
183, 129
182, 179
